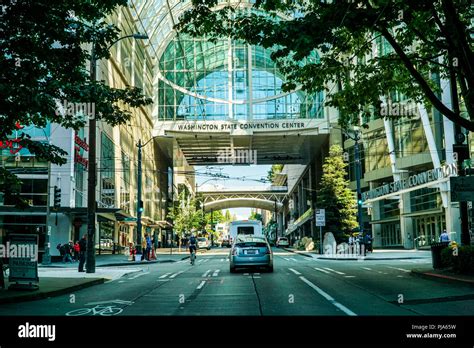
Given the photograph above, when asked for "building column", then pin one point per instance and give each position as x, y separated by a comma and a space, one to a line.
375, 215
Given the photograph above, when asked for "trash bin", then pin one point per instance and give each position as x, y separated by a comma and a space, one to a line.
436, 254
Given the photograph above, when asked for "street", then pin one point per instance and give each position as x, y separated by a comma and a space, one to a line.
299, 285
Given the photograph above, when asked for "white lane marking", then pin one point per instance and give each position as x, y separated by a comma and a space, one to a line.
205, 260
295, 272
163, 280
176, 274
293, 259
121, 281
200, 260
287, 259
139, 275
257, 274
216, 273
164, 275
400, 269
201, 285
367, 268
332, 270
206, 273
227, 259
246, 274
256, 277
349, 276
329, 297
399, 276
321, 270
222, 260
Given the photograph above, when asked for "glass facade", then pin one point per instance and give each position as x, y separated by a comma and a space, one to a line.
226, 80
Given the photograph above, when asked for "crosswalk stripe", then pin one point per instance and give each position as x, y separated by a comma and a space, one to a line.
367, 268
322, 270
201, 285
216, 273
400, 269
293, 259
206, 273
164, 275
139, 275
295, 272
333, 270
176, 274
222, 260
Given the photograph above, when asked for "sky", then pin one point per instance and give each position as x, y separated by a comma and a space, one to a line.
249, 176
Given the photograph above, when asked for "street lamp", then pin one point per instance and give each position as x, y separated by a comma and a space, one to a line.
92, 170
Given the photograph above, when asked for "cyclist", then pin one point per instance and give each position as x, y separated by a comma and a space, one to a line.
192, 246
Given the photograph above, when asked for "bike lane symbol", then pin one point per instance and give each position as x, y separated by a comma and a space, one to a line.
103, 308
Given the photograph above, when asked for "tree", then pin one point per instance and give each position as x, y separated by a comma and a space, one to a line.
427, 40
185, 216
228, 217
275, 169
43, 59
256, 216
335, 196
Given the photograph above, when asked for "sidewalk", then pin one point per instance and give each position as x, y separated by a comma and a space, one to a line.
109, 260
60, 281
377, 254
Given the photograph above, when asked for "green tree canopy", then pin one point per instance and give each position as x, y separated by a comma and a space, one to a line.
44, 53
425, 39
335, 196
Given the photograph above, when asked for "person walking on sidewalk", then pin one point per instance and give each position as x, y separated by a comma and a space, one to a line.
148, 246
77, 249
82, 252
444, 237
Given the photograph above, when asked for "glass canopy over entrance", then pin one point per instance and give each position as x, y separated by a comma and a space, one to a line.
227, 80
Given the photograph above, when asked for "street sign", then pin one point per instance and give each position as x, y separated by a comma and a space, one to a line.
320, 217
462, 188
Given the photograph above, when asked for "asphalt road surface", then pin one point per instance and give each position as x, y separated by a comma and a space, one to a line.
298, 286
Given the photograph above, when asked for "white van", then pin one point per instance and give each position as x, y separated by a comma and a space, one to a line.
249, 227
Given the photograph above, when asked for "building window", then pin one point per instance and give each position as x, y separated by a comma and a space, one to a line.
425, 199
391, 235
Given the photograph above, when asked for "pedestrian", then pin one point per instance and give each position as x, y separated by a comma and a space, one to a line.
61, 251
82, 252
69, 247
368, 243
148, 246
77, 249
144, 247
444, 237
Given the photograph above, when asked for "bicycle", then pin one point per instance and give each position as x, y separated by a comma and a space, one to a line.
193, 257
105, 311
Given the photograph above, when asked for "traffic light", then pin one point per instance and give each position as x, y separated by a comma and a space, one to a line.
57, 197
140, 207
359, 200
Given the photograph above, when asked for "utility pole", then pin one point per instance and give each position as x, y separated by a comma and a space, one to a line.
92, 179
139, 199
47, 246
358, 175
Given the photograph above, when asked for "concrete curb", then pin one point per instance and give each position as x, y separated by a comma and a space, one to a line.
355, 258
53, 293
440, 277
129, 263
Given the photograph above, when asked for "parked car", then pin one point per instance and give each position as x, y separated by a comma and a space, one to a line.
203, 243
226, 243
251, 251
282, 242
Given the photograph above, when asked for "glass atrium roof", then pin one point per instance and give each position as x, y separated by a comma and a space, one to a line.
199, 80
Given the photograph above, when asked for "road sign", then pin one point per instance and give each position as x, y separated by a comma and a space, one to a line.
320, 217
462, 188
